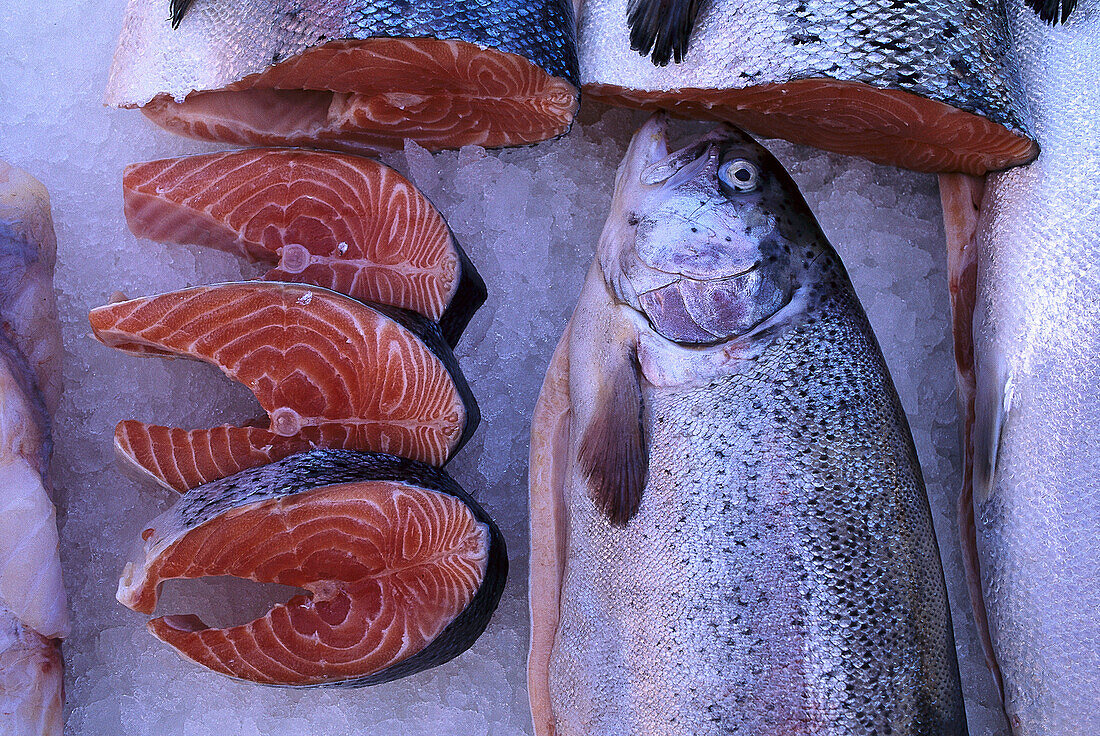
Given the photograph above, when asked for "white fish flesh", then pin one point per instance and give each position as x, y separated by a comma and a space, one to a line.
33, 610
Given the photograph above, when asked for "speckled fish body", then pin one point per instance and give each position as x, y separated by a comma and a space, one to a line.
930, 86
33, 611
1029, 353
353, 75
778, 571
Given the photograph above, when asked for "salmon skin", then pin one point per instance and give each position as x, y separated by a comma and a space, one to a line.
34, 616
352, 76
729, 527
1023, 255
926, 86
404, 569
328, 370
342, 222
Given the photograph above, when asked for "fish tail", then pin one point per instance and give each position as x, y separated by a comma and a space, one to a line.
663, 27
178, 9
1053, 11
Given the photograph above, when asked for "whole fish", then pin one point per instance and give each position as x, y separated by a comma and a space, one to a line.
927, 86
362, 75
729, 527
33, 611
1025, 272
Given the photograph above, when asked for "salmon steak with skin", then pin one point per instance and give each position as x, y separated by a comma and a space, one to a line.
329, 371
927, 86
343, 222
403, 569
352, 76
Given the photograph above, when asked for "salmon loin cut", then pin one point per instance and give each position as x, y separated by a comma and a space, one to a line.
352, 76
925, 86
342, 222
329, 371
402, 567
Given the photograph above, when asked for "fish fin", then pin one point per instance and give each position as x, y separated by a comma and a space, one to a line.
547, 478
178, 10
613, 453
992, 405
1053, 11
663, 27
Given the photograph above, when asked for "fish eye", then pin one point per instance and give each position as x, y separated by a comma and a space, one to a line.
739, 175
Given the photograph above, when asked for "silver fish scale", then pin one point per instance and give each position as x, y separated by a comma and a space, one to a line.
781, 574
1037, 358
956, 53
221, 41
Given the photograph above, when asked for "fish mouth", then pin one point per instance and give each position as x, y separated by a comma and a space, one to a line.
695, 311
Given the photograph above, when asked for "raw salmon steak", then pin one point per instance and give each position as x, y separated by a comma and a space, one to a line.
402, 567
353, 76
931, 86
328, 370
343, 222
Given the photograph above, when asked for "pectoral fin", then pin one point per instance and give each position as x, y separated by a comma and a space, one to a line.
992, 408
613, 454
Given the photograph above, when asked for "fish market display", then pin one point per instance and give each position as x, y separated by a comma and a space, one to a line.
33, 611
1026, 289
328, 370
927, 86
343, 222
353, 76
403, 569
729, 527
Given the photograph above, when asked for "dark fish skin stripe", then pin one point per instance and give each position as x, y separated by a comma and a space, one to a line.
541, 31
1053, 11
318, 468
469, 296
432, 336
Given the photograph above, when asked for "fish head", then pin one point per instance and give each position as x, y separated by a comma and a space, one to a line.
706, 241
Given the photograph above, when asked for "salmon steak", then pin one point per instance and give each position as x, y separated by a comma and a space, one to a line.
330, 372
352, 76
343, 222
926, 86
402, 567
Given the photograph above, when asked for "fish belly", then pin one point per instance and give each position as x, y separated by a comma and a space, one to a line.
33, 610
928, 87
1037, 357
781, 575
